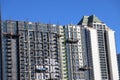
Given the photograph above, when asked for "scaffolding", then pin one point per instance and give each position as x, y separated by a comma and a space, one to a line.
43, 43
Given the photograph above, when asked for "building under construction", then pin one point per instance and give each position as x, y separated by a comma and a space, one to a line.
36, 51
76, 53
31, 51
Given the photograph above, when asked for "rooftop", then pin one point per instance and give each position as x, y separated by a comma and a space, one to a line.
89, 19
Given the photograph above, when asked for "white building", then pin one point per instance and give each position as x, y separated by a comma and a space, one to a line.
101, 49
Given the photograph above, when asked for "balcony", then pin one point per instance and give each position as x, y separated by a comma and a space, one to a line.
8, 40
9, 75
8, 54
53, 50
9, 67
9, 62
8, 43
8, 51
8, 47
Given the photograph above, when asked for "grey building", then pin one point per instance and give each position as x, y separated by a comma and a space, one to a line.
9, 51
30, 51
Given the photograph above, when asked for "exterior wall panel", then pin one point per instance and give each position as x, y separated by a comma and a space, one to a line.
94, 52
112, 55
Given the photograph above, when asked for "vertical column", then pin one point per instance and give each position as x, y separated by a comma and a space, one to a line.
94, 54
112, 59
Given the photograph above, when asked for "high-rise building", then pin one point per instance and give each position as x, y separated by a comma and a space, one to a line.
118, 58
32, 51
36, 51
101, 49
76, 52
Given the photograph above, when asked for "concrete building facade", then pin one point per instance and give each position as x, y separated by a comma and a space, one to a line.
31, 51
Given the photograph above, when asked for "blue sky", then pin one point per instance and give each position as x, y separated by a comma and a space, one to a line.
64, 12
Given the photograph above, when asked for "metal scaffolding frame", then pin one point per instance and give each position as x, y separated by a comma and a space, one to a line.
47, 54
